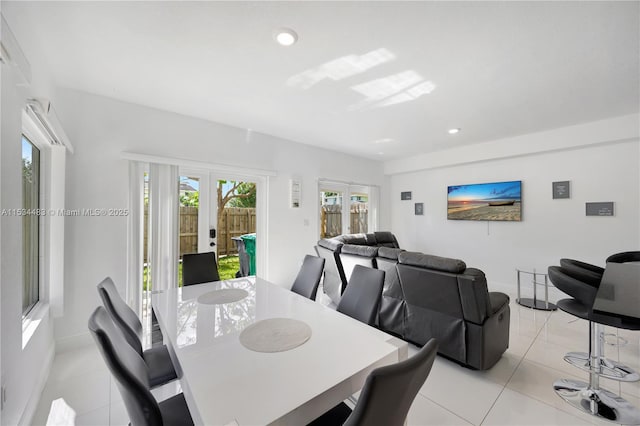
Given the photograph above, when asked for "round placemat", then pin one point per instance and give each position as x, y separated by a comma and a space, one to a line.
275, 335
219, 297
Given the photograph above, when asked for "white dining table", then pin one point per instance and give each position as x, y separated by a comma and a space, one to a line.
225, 383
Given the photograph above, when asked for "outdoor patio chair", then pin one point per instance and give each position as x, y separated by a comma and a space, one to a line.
198, 268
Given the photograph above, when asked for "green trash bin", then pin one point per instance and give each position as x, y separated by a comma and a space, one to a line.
250, 246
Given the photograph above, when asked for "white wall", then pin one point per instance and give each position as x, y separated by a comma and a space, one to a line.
24, 371
550, 229
1, 138
101, 129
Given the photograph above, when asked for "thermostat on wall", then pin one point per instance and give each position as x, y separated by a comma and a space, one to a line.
295, 193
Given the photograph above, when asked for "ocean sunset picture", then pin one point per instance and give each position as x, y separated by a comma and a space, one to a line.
485, 201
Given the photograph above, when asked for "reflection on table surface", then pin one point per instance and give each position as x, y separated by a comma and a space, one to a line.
225, 318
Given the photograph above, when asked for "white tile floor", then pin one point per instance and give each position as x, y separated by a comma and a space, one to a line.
516, 391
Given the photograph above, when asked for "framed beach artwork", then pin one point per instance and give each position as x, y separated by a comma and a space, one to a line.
501, 201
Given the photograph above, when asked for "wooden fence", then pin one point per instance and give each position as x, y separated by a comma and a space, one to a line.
331, 219
234, 222
188, 230
359, 218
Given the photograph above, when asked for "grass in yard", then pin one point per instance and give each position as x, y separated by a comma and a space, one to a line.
227, 268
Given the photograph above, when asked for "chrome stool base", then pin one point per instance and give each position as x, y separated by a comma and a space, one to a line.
540, 305
609, 368
598, 402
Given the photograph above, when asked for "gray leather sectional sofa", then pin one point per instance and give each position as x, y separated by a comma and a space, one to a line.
425, 296
343, 252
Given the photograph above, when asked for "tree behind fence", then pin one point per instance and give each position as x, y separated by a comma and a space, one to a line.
235, 221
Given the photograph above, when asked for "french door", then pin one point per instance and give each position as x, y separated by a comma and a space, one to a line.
228, 207
346, 209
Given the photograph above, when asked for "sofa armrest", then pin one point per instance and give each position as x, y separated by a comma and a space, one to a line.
487, 342
498, 301
474, 295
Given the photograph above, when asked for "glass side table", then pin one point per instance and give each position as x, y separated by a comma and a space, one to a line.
534, 303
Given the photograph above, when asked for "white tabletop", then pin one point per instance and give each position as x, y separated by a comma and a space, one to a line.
224, 382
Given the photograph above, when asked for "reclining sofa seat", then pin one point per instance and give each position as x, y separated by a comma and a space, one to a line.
446, 300
343, 252
352, 255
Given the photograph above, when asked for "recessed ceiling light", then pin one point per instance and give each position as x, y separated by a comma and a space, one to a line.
381, 153
286, 36
454, 131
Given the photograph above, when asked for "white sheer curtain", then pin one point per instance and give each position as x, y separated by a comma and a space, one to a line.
135, 233
374, 208
163, 225
56, 188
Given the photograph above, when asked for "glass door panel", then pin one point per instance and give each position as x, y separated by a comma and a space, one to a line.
234, 216
189, 196
359, 212
331, 212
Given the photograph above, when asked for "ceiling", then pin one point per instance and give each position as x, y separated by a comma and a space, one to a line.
382, 80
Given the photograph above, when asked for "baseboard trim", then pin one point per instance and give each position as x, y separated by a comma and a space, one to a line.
34, 399
70, 343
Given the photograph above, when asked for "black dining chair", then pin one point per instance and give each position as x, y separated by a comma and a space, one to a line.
387, 394
130, 373
361, 298
198, 268
157, 358
308, 279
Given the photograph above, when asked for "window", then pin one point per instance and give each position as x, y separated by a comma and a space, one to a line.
30, 225
347, 209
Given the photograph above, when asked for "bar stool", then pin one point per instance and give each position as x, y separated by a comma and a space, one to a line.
585, 272
624, 257
592, 275
589, 397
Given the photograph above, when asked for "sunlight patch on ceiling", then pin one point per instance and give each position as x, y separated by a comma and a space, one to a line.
409, 95
340, 68
387, 86
394, 89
